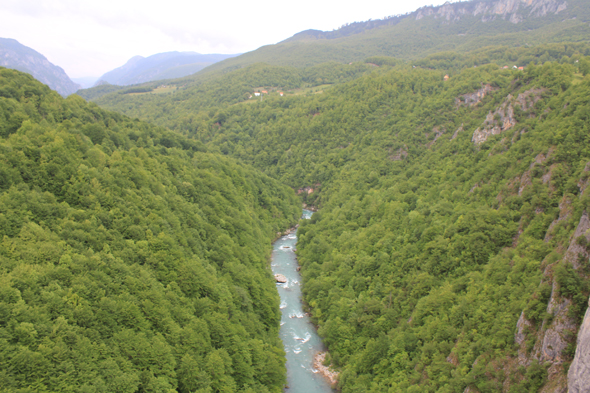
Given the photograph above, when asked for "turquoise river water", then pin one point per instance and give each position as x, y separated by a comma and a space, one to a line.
299, 335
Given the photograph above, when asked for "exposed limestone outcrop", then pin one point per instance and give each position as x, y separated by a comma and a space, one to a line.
502, 118
472, 99
515, 11
529, 98
576, 249
578, 376
555, 336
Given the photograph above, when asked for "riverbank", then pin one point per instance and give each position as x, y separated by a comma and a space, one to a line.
326, 372
300, 339
286, 232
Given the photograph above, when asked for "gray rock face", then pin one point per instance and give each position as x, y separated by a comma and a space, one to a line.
472, 99
554, 340
578, 376
575, 249
22, 58
513, 10
502, 118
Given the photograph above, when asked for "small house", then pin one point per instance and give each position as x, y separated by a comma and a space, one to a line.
256, 93
281, 93
264, 92
446, 77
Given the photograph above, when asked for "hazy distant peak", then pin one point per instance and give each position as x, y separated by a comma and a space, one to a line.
164, 65
17, 56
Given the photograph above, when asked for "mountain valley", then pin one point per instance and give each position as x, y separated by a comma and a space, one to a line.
446, 152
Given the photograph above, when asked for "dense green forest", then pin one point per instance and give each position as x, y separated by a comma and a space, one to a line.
446, 210
131, 258
181, 108
450, 250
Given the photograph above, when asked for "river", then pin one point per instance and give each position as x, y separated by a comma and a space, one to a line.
299, 335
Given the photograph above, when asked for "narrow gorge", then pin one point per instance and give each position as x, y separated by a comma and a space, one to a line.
299, 335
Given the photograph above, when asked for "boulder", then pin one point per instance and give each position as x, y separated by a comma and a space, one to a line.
280, 278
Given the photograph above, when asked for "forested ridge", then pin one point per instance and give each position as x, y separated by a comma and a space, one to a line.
131, 259
447, 214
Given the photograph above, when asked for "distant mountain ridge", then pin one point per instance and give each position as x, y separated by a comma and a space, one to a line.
515, 11
460, 26
19, 57
165, 65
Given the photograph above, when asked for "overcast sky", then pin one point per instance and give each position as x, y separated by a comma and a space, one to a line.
91, 37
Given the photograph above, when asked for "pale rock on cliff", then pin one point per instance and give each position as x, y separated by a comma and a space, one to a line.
575, 249
578, 376
513, 10
502, 118
472, 99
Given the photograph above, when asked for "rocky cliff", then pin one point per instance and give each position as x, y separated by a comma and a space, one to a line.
558, 330
578, 377
19, 57
487, 10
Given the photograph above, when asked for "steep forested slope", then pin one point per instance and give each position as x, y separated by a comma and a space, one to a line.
458, 26
131, 259
418, 270
450, 249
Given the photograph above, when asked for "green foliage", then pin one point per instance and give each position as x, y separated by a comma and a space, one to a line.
92, 93
427, 247
574, 287
204, 91
131, 259
426, 250
534, 378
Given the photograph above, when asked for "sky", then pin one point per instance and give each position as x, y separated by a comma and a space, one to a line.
90, 37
